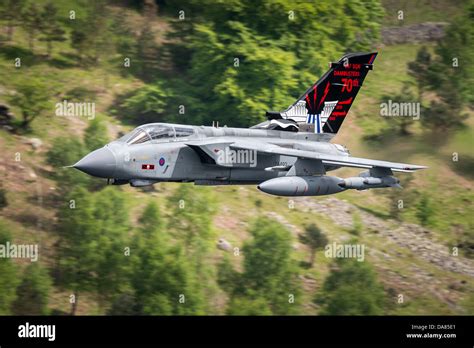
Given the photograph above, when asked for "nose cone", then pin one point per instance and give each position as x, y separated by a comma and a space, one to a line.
100, 163
285, 186
274, 187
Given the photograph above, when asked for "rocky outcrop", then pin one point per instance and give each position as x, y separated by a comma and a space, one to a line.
416, 33
419, 240
224, 244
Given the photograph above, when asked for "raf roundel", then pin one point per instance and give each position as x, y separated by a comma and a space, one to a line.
161, 161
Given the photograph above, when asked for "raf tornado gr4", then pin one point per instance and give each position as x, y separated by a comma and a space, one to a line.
287, 155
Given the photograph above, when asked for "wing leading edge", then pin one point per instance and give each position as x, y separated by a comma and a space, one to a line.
344, 161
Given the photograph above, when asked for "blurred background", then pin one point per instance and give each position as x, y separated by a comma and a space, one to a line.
179, 249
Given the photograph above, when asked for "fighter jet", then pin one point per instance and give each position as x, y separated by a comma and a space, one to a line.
289, 154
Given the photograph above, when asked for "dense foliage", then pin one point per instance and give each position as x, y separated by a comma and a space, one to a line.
227, 61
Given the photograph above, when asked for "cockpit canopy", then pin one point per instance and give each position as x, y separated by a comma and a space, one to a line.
156, 132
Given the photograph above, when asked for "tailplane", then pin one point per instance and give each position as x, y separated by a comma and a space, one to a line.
324, 106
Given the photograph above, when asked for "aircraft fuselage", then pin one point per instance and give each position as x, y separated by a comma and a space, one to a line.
174, 158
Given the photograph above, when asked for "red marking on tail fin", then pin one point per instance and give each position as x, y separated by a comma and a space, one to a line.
348, 101
325, 94
314, 97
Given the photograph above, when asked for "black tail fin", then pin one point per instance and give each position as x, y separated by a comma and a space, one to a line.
323, 107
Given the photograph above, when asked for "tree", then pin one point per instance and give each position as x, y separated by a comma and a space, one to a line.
146, 104
419, 69
90, 35
192, 209
80, 37
11, 11
51, 28
398, 200
147, 54
452, 70
268, 284
93, 240
357, 224
240, 72
112, 226
123, 36
449, 73
95, 135
3, 197
352, 289
424, 210
32, 98
466, 240
246, 57
268, 266
33, 292
8, 275
78, 252
227, 277
125, 303
163, 281
400, 123
65, 151
147, 49
441, 116
32, 19
314, 239
190, 222
249, 305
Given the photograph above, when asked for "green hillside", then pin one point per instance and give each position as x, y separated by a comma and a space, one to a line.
410, 264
